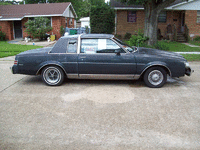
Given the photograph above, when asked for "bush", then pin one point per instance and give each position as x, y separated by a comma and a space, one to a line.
197, 38
102, 19
2, 35
127, 36
38, 27
161, 46
62, 30
138, 40
118, 36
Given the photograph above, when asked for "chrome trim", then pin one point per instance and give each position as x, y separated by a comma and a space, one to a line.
107, 76
107, 63
72, 76
51, 64
79, 44
156, 65
69, 62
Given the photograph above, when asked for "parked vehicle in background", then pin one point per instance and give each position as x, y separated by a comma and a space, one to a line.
100, 56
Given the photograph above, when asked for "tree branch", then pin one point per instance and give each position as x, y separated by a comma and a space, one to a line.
164, 4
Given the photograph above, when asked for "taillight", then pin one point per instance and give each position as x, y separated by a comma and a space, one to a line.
15, 62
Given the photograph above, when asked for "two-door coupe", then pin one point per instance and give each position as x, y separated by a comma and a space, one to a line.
100, 56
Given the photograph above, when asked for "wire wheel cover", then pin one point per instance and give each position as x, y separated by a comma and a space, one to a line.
52, 75
155, 77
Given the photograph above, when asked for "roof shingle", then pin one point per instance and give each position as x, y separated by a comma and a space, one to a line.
20, 11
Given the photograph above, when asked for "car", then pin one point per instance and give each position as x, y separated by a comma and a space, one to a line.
100, 56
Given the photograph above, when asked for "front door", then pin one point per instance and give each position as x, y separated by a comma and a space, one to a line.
98, 56
182, 21
18, 29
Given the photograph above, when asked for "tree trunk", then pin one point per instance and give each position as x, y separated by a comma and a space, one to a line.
151, 23
152, 9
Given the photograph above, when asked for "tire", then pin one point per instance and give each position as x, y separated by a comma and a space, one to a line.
52, 75
155, 77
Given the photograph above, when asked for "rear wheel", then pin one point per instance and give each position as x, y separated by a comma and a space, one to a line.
53, 75
155, 77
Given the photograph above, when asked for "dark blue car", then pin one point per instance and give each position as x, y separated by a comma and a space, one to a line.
100, 56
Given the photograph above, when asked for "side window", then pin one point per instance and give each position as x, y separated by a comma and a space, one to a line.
72, 46
92, 46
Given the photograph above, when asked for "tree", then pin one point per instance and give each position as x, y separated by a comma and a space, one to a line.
102, 19
38, 27
152, 8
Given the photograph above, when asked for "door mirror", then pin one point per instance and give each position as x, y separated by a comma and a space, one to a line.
117, 52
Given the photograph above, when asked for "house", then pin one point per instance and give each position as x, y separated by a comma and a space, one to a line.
85, 22
14, 17
181, 19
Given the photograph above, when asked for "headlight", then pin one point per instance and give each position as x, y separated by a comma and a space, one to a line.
187, 64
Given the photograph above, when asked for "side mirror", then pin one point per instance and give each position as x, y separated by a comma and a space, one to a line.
117, 52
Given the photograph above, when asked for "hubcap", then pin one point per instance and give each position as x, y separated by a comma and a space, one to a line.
155, 77
52, 75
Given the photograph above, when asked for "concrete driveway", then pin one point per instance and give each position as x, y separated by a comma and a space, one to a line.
96, 115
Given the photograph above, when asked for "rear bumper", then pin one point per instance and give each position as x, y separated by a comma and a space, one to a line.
14, 69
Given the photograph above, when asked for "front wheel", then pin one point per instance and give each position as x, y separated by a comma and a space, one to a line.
155, 77
52, 75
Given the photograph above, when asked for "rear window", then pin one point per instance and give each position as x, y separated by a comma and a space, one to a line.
65, 45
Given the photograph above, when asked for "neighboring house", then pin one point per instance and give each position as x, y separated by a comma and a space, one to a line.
85, 22
14, 17
181, 19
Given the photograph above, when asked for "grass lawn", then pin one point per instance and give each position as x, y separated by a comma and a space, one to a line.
7, 49
195, 43
179, 47
191, 57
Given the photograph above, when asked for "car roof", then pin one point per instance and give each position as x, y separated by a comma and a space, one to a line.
95, 36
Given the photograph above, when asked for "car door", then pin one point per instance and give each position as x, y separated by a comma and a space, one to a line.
98, 56
65, 52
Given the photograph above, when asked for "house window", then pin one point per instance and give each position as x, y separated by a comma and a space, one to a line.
131, 16
162, 17
198, 16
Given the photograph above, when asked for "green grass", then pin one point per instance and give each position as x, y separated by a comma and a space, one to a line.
195, 43
7, 49
191, 57
179, 47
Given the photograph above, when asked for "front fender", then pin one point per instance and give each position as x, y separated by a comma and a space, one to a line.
48, 63
141, 68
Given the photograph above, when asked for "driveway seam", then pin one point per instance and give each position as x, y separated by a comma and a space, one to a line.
11, 85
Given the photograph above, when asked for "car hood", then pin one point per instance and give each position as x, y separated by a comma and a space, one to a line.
160, 53
36, 51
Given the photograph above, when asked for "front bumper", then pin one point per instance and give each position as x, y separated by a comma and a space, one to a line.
188, 71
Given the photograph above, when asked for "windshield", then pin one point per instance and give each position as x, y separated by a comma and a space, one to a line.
126, 46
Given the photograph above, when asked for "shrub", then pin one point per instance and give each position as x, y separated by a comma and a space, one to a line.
62, 30
161, 46
38, 27
118, 36
197, 38
127, 36
102, 19
138, 40
2, 35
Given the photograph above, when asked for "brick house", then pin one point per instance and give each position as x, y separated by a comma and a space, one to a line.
181, 19
14, 17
